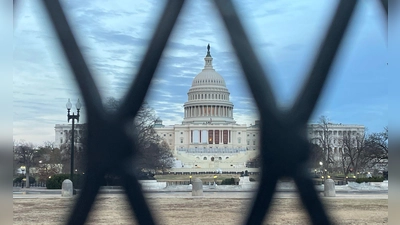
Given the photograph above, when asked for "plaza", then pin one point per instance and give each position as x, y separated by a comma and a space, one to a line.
212, 208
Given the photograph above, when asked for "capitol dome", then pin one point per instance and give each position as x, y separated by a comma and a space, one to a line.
208, 76
208, 98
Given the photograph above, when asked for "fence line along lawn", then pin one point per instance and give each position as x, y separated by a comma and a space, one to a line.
113, 209
203, 177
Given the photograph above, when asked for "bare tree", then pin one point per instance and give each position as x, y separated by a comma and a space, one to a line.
26, 155
377, 150
316, 155
324, 140
155, 156
353, 153
153, 151
79, 149
50, 161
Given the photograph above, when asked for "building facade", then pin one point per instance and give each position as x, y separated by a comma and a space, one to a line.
209, 139
63, 134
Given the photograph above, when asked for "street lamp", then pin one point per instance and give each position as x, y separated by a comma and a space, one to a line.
190, 179
23, 170
215, 178
73, 117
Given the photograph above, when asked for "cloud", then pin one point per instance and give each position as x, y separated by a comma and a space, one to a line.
113, 37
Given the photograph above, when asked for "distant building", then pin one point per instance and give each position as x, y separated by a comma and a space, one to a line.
63, 132
335, 134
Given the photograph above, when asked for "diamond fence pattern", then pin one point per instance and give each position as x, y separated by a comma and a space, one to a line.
284, 147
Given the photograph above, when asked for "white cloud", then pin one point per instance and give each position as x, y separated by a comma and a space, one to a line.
114, 36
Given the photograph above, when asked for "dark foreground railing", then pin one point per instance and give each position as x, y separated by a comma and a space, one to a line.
284, 146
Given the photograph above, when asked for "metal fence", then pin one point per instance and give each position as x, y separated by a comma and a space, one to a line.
284, 146
36, 184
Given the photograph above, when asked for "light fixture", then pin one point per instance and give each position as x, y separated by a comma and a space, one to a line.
69, 104
78, 105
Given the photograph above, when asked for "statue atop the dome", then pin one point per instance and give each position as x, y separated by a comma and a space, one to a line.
208, 51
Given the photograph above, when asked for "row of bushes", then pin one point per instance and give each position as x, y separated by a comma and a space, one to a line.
371, 179
55, 182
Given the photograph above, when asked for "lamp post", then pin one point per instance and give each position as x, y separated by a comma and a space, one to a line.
73, 117
215, 178
322, 171
190, 179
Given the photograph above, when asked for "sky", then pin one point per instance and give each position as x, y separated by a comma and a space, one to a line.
113, 37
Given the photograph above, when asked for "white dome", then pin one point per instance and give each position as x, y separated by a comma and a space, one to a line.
208, 98
208, 77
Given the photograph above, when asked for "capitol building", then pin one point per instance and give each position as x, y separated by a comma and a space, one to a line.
209, 138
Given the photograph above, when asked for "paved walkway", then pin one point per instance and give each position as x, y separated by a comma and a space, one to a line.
44, 193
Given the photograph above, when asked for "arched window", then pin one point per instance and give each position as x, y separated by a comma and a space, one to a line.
205, 158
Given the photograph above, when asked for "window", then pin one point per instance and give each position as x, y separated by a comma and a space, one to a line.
254, 135
254, 142
239, 140
181, 140
165, 135
248, 142
61, 140
181, 132
170, 135
205, 158
238, 132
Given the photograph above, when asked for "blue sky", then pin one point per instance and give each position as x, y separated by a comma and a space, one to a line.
113, 36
